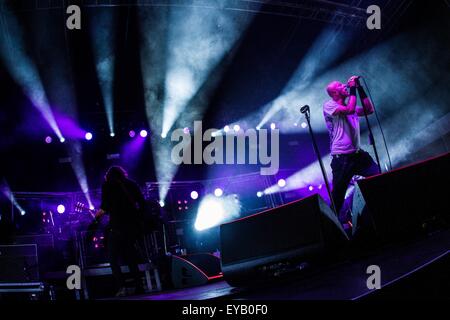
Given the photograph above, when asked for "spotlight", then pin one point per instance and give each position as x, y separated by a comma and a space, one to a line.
295, 124
304, 125
273, 126
161, 203
213, 211
132, 134
210, 213
62, 139
22, 212
186, 130
259, 194
226, 129
88, 136
310, 188
61, 209
236, 128
48, 139
79, 169
194, 195
218, 192
258, 127
281, 183
163, 135
91, 208
320, 187
112, 134
143, 133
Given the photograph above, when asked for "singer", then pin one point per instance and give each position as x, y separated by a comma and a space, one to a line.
342, 119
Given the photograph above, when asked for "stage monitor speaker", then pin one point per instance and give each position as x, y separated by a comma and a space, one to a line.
264, 245
195, 269
19, 263
404, 203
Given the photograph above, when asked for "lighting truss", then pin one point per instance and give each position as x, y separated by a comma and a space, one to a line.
352, 15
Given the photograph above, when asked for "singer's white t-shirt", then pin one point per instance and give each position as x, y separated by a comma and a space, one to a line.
343, 130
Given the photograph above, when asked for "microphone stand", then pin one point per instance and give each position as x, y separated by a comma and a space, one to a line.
371, 138
305, 110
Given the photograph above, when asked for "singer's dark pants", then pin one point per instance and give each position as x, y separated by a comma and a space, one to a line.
344, 167
122, 251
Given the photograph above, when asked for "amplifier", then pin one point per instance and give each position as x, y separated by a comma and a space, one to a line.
19, 263
93, 245
41, 240
50, 253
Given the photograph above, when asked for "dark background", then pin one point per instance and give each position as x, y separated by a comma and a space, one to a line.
260, 67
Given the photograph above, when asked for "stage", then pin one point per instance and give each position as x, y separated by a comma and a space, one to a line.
217, 150
399, 264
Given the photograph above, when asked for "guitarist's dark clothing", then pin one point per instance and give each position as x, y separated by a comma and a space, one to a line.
124, 202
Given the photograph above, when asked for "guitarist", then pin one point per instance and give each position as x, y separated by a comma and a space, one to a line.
124, 202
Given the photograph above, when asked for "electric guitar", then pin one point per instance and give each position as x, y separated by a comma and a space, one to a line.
95, 223
81, 207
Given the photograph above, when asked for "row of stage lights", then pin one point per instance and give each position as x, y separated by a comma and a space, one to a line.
282, 183
218, 192
60, 209
208, 205
236, 128
89, 136
144, 133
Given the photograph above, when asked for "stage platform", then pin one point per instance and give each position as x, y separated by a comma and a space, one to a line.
404, 266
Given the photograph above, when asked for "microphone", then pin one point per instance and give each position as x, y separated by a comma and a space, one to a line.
357, 78
304, 109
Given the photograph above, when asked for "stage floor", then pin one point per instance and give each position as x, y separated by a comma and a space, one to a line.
343, 281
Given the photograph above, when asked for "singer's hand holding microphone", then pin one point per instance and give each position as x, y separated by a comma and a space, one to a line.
354, 81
